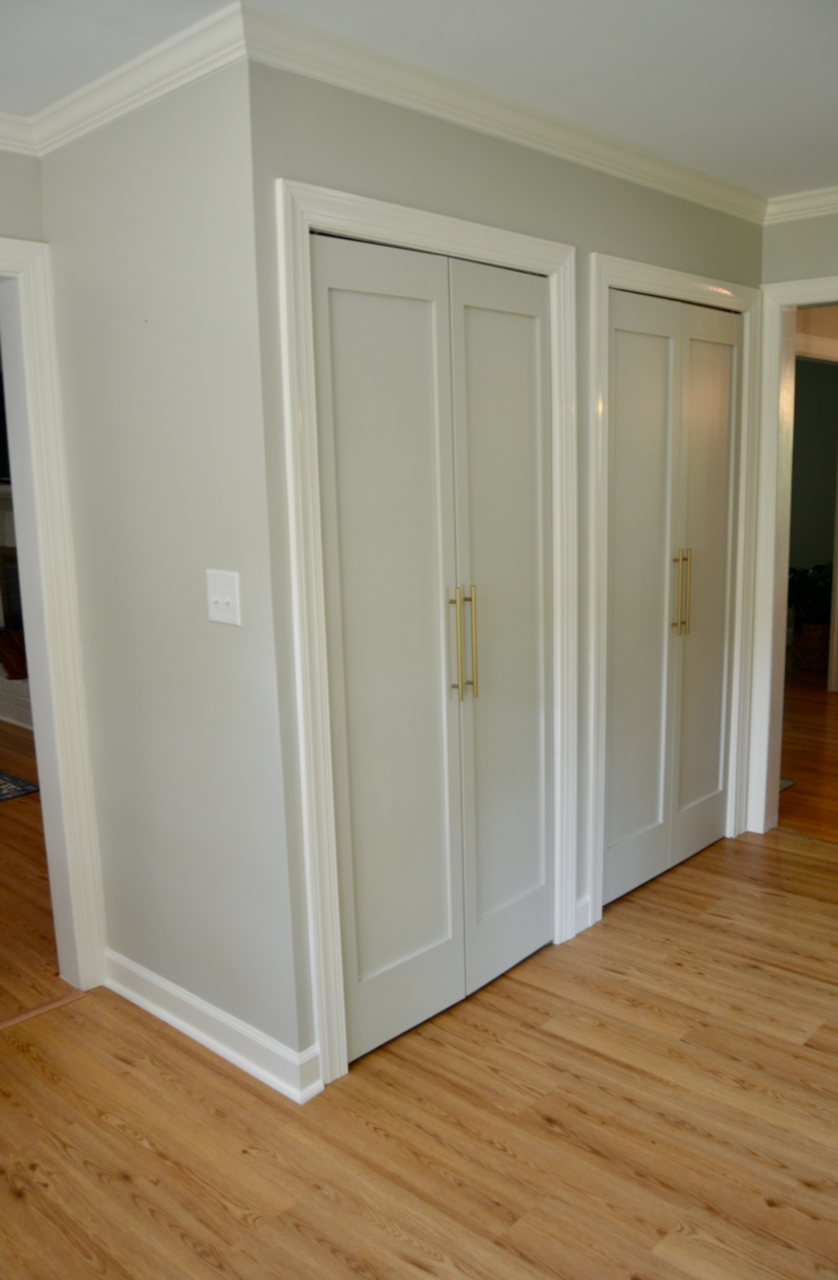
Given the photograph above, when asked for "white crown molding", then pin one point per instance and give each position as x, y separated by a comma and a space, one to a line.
297, 46
203, 48
236, 32
806, 204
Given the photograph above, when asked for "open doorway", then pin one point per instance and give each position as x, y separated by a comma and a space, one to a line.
29, 967
809, 768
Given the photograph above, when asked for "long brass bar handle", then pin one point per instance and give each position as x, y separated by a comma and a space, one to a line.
679, 560
472, 600
458, 601
689, 589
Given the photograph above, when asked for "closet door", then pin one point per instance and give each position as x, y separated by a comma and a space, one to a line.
382, 352
500, 330
644, 413
711, 342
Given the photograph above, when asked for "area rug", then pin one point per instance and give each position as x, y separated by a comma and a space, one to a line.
10, 786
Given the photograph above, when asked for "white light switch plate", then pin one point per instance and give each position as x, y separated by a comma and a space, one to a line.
223, 597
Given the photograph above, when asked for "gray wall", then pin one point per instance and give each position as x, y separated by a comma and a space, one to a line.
20, 197
316, 133
151, 223
800, 250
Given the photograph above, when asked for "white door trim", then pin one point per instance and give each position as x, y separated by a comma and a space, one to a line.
48, 582
620, 273
301, 209
772, 558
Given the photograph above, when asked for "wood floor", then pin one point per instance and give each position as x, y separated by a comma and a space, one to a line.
28, 960
657, 1099
810, 756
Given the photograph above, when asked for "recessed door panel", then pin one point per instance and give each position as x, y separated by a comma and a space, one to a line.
500, 322
383, 384
643, 395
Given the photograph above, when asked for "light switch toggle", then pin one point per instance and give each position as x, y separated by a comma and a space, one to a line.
223, 597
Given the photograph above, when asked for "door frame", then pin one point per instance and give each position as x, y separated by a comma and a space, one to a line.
639, 277
780, 303
301, 209
48, 588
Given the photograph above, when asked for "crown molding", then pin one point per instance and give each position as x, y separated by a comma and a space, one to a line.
806, 204
297, 46
203, 48
238, 31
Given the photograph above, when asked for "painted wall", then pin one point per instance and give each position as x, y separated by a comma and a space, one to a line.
814, 464
20, 197
316, 133
801, 250
151, 224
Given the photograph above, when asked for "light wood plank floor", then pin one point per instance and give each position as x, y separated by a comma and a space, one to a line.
28, 960
810, 756
656, 1100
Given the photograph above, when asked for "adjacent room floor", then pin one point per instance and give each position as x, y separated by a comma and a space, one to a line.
810, 756
655, 1099
28, 960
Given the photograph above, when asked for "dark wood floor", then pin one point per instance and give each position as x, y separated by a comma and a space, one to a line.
656, 1100
28, 960
810, 757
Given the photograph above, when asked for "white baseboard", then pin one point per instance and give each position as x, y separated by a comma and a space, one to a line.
19, 724
583, 913
296, 1075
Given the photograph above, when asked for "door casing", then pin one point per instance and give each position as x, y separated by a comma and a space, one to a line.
302, 209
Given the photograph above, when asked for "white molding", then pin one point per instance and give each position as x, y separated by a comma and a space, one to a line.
296, 1075
805, 204
814, 347
297, 46
203, 48
619, 273
301, 209
583, 914
57, 689
772, 551
291, 45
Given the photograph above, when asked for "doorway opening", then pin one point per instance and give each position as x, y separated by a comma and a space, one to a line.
809, 765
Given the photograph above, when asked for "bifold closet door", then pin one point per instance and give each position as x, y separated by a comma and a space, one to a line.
383, 367
501, 362
673, 391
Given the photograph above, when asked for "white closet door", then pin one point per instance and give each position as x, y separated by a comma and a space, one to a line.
500, 328
382, 349
711, 341
644, 409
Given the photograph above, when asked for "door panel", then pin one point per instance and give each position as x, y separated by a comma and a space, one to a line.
383, 384
643, 398
710, 341
500, 327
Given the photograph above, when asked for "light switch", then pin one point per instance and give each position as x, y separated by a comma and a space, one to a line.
223, 597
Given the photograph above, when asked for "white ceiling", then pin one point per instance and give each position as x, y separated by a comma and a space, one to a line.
744, 90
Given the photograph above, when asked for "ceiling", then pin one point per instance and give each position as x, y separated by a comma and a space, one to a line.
742, 90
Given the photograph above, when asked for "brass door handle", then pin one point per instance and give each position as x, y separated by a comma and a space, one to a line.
689, 589
472, 600
458, 602
679, 560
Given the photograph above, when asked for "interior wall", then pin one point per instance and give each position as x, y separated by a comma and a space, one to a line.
800, 250
313, 132
814, 463
151, 225
21, 215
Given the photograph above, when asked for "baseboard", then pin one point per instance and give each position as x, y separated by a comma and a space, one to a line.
19, 724
296, 1075
583, 913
